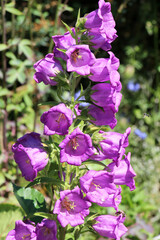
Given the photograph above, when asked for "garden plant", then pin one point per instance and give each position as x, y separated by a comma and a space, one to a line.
75, 138
71, 114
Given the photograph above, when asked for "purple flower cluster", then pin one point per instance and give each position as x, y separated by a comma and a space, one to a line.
76, 145
47, 230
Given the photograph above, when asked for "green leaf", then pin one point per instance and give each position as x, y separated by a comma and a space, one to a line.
69, 29
94, 162
3, 46
8, 215
4, 92
46, 215
44, 180
78, 18
31, 200
62, 50
13, 10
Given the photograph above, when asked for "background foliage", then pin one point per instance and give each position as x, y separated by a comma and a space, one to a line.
26, 30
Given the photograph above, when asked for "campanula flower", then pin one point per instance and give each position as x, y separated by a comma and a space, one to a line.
22, 231
101, 26
46, 230
103, 117
101, 69
80, 59
99, 188
76, 148
30, 155
57, 120
124, 173
110, 226
113, 146
71, 207
104, 94
47, 69
63, 42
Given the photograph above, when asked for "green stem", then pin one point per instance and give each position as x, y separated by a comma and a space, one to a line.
67, 178
4, 70
62, 233
55, 25
30, 3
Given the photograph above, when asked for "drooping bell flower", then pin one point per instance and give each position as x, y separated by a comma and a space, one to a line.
22, 231
30, 155
80, 59
63, 42
102, 68
110, 226
47, 69
57, 120
47, 230
101, 26
76, 148
100, 189
71, 207
113, 146
104, 94
103, 117
124, 173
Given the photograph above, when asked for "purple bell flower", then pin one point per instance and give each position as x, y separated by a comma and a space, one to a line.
57, 120
46, 69
63, 42
76, 148
100, 189
71, 207
22, 231
101, 69
103, 117
80, 59
113, 146
104, 94
46, 230
124, 173
30, 155
110, 226
100, 24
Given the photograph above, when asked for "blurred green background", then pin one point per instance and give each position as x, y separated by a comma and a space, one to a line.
26, 27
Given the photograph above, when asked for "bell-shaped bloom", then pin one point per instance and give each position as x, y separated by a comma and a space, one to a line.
63, 42
103, 117
47, 69
76, 148
22, 231
124, 173
101, 26
80, 59
71, 207
113, 146
104, 94
30, 155
57, 120
100, 189
110, 226
46, 230
101, 69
